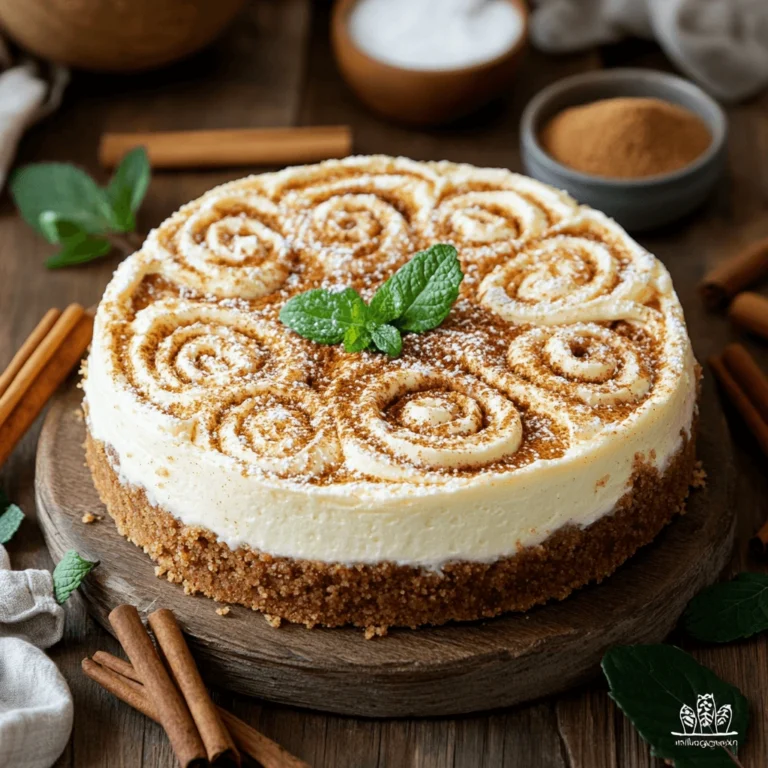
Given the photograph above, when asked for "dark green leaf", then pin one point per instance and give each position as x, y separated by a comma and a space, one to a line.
420, 294
67, 191
69, 574
729, 611
324, 316
669, 698
356, 338
10, 520
127, 188
79, 249
387, 338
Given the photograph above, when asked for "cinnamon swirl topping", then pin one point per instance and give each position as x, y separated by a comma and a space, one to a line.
412, 418
562, 319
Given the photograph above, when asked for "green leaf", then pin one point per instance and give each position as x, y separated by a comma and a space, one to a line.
324, 316
356, 338
387, 338
69, 574
127, 188
10, 520
729, 611
78, 247
419, 296
669, 697
67, 191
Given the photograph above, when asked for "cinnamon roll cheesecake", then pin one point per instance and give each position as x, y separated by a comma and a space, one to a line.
527, 446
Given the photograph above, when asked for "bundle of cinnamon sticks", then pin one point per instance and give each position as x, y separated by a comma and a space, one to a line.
746, 387
725, 286
741, 379
165, 685
51, 351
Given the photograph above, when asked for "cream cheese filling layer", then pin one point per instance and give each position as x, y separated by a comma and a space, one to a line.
480, 518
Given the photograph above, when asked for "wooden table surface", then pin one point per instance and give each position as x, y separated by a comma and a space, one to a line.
275, 68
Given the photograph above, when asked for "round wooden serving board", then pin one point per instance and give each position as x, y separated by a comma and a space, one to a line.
439, 671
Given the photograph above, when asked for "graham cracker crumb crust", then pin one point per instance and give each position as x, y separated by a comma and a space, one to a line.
385, 594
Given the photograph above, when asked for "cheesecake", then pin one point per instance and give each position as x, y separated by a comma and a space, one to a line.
529, 445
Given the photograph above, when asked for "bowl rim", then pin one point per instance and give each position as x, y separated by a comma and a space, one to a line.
718, 125
340, 29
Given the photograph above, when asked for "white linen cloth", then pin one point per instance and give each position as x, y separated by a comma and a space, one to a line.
722, 44
26, 96
35, 703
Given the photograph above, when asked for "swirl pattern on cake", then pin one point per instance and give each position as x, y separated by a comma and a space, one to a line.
414, 421
586, 269
184, 353
489, 213
228, 245
277, 429
572, 311
593, 363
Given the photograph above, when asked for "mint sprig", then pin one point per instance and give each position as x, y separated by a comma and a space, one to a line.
68, 208
732, 610
417, 298
671, 699
69, 574
10, 519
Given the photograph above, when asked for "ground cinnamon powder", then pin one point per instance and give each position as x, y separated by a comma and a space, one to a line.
626, 137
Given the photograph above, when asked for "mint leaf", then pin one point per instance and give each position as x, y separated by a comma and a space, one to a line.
69, 574
729, 611
670, 698
419, 296
127, 188
10, 520
387, 338
67, 191
77, 245
356, 338
324, 316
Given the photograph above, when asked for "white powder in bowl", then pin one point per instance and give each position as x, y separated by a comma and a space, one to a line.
435, 34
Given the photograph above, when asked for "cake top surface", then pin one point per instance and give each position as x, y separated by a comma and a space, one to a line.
565, 333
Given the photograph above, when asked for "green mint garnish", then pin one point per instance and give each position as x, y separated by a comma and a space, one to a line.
69, 574
10, 519
68, 208
417, 298
729, 611
673, 701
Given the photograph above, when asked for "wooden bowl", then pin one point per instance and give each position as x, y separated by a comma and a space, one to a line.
110, 36
417, 96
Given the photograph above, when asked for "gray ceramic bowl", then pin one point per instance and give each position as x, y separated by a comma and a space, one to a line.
635, 203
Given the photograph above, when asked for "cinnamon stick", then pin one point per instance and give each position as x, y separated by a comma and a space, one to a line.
735, 274
227, 148
119, 678
750, 311
132, 693
743, 367
38, 359
736, 395
171, 709
28, 347
218, 743
37, 389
